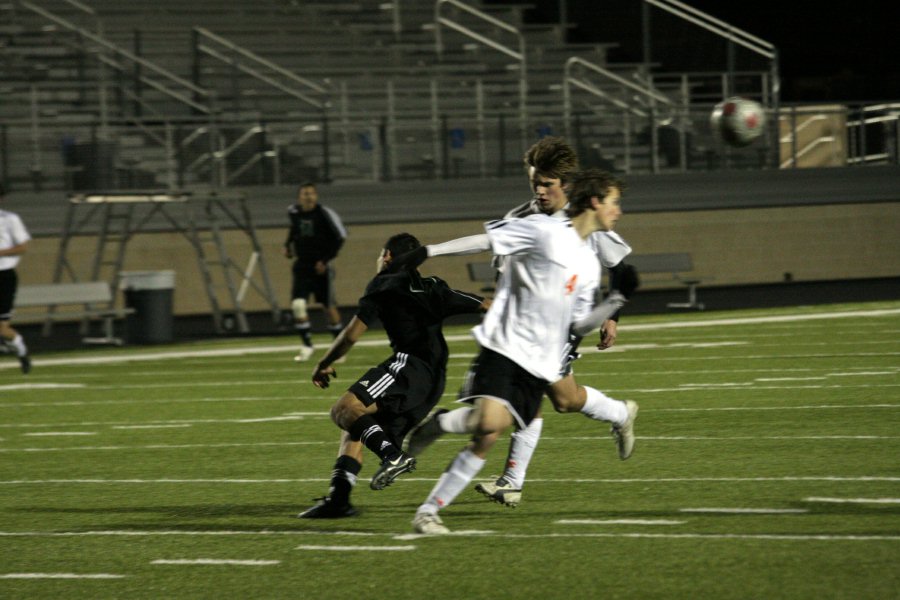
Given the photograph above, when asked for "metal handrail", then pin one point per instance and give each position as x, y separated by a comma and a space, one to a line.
717, 26
645, 92
825, 139
168, 75
519, 55
297, 92
731, 33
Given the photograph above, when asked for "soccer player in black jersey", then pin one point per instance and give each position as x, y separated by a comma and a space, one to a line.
390, 399
313, 241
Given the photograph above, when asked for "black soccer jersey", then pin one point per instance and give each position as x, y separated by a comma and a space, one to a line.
314, 235
412, 308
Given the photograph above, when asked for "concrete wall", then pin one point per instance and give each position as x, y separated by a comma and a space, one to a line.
729, 247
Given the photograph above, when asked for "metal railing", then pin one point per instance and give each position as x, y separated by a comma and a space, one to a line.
261, 69
630, 98
516, 54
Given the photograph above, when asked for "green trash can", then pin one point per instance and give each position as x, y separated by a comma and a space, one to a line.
149, 293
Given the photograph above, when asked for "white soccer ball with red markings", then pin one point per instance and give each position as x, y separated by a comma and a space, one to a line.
738, 121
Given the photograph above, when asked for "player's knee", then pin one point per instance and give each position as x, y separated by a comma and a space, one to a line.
346, 411
298, 306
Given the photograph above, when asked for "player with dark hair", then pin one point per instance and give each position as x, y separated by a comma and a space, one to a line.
14, 238
546, 289
314, 239
389, 400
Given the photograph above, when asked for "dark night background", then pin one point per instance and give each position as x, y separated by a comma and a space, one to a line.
839, 51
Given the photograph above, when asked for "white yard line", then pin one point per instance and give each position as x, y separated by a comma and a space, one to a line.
287, 348
854, 500
746, 511
618, 522
215, 561
60, 576
357, 548
586, 480
462, 533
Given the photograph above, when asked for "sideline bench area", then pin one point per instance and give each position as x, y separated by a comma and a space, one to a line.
86, 301
678, 265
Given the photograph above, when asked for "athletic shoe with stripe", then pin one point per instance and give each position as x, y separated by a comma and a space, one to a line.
501, 492
429, 524
624, 433
391, 469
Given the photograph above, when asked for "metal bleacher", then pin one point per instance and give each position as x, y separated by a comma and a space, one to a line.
219, 92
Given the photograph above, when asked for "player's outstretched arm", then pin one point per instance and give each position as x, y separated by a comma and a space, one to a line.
323, 371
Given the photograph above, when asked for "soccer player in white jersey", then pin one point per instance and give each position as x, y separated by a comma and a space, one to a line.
548, 284
14, 240
551, 163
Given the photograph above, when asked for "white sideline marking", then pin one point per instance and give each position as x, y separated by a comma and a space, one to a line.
756, 320
215, 561
480, 533
803, 407
60, 576
618, 522
432, 479
854, 500
58, 433
462, 532
358, 548
382, 341
167, 446
172, 426
41, 386
750, 511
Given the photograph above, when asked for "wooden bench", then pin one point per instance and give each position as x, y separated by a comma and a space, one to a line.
94, 300
678, 265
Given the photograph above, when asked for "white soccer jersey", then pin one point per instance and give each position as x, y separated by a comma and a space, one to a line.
12, 233
609, 246
550, 278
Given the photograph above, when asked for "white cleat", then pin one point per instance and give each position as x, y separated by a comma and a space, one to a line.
624, 433
304, 354
429, 524
501, 492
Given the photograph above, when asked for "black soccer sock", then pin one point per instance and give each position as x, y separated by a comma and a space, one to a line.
304, 330
335, 329
372, 436
343, 478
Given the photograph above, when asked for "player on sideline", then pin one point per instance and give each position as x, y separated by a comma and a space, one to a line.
314, 238
14, 238
388, 400
551, 163
548, 285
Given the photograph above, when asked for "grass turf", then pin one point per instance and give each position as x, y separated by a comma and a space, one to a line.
117, 476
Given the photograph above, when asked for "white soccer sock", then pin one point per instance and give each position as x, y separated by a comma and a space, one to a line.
19, 344
601, 407
521, 447
454, 480
455, 421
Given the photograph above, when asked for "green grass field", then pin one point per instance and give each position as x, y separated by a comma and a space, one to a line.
767, 465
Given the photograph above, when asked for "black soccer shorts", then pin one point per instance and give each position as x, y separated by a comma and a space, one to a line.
495, 376
404, 388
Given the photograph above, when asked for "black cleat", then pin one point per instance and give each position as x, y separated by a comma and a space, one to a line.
391, 469
25, 362
326, 509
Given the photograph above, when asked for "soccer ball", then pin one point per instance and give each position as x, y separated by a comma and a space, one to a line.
738, 121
